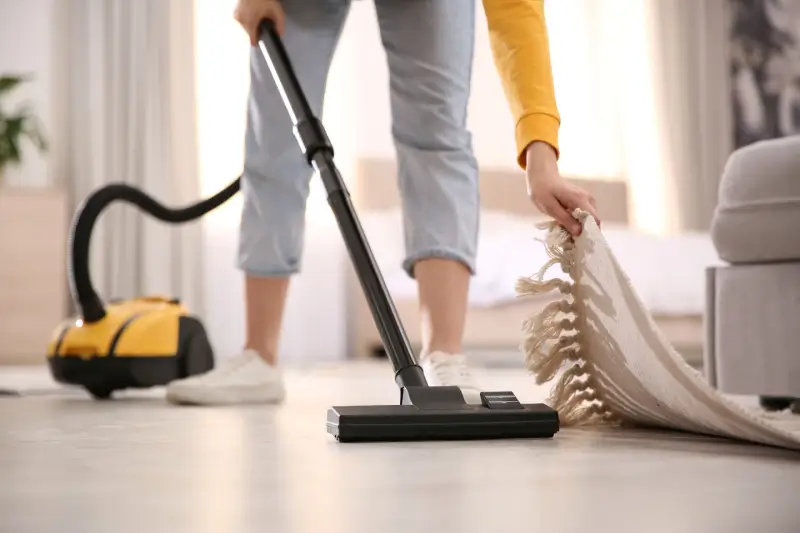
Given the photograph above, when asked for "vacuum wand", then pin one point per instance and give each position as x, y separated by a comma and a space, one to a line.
317, 149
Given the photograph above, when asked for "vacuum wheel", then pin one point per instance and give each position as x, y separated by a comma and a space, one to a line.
100, 393
195, 352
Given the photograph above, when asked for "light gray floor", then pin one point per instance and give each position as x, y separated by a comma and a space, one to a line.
69, 464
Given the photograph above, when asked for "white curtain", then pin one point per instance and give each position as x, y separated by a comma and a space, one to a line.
693, 98
130, 117
642, 86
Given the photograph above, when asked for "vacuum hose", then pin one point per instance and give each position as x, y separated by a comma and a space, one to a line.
83, 293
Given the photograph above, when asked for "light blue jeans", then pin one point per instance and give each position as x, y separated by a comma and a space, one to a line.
429, 47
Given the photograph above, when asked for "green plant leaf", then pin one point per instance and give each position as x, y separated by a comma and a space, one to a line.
5, 149
14, 154
8, 83
16, 128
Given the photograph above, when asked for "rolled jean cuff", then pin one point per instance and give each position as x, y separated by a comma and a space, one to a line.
438, 253
255, 273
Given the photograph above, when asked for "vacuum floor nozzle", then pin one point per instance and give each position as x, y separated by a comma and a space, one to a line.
440, 413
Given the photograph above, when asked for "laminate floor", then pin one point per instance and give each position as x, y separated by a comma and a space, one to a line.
69, 464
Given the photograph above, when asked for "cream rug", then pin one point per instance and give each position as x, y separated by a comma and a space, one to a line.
610, 364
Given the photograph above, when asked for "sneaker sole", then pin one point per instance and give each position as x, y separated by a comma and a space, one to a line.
211, 397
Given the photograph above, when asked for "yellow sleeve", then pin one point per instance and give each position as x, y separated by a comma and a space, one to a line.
518, 36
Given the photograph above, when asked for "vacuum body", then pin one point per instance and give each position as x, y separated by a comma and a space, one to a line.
139, 343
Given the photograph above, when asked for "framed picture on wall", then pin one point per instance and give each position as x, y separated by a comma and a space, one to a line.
765, 69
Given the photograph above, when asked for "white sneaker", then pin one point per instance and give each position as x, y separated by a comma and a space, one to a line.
444, 369
245, 378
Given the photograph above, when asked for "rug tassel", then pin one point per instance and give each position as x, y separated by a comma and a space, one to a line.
546, 322
584, 415
537, 338
548, 225
547, 266
573, 402
545, 364
547, 319
531, 286
548, 315
568, 384
572, 395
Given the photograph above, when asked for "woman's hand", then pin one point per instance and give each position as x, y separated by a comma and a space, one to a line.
551, 193
250, 13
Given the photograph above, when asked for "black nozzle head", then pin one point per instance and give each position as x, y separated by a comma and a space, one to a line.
496, 418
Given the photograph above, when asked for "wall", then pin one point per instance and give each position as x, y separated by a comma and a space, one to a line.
28, 33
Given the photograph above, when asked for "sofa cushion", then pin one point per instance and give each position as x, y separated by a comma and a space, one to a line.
758, 214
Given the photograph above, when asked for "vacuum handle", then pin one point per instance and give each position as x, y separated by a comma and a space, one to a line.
283, 73
317, 149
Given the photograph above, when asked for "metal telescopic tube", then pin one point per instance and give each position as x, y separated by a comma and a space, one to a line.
317, 148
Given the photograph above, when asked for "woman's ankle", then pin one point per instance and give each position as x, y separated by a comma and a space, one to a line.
444, 346
266, 355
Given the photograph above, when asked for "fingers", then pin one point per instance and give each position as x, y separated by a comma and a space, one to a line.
593, 211
279, 18
562, 204
555, 209
249, 15
583, 200
586, 202
558, 198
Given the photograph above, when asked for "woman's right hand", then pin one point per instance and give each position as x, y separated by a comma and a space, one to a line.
551, 193
250, 13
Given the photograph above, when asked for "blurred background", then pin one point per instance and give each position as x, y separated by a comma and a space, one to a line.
654, 95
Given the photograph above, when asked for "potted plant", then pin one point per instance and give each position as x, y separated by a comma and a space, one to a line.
16, 126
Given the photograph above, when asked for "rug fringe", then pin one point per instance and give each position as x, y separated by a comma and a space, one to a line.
551, 340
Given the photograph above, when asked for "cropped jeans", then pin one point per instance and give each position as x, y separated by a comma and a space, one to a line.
429, 47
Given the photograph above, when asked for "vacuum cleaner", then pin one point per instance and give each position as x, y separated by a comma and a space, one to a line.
424, 412
139, 343
152, 341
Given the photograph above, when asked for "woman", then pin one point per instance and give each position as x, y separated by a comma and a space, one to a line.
429, 46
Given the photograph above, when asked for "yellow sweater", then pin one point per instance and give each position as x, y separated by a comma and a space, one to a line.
519, 41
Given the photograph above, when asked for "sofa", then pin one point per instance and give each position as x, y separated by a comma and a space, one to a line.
753, 300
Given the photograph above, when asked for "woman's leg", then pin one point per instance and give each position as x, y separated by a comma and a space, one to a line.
429, 47
275, 186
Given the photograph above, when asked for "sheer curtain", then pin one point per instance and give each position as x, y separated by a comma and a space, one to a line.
694, 100
642, 89
129, 101
605, 87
